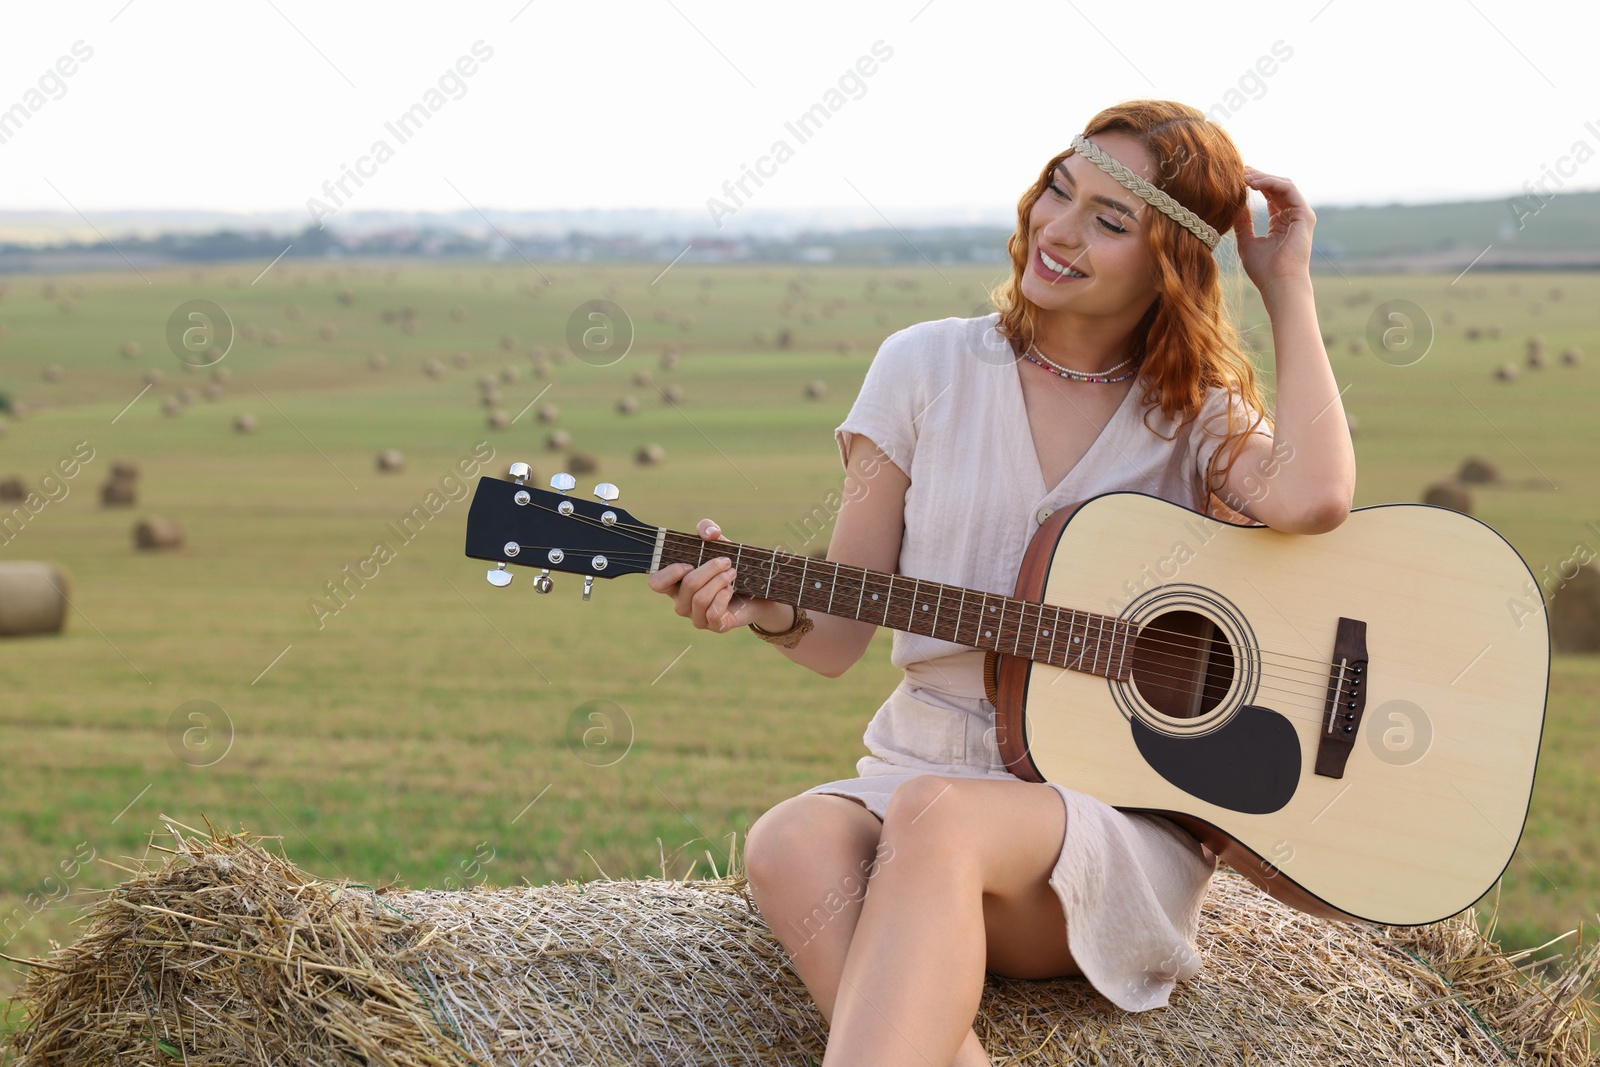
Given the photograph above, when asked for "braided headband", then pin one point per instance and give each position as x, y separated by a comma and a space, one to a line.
1155, 197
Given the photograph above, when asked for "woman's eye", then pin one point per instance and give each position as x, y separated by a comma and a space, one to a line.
1113, 227
1062, 194
1054, 188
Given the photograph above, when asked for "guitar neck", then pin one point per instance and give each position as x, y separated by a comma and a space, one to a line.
1075, 640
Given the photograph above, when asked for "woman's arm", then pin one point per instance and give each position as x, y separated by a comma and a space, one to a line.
868, 533
1302, 479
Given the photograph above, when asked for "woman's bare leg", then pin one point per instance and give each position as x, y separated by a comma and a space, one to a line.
967, 890
810, 861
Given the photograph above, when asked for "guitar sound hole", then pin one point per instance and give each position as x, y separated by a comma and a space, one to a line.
1182, 664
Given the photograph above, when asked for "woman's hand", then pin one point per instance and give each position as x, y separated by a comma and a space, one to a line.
1283, 254
704, 594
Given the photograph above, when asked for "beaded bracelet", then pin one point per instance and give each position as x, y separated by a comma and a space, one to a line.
788, 638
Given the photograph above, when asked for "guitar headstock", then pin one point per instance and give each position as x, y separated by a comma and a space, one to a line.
513, 523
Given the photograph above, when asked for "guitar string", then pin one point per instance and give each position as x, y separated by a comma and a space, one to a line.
1319, 673
1318, 684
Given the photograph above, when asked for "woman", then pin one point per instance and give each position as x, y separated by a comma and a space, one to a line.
1111, 364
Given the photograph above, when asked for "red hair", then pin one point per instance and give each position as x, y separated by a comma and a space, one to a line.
1188, 342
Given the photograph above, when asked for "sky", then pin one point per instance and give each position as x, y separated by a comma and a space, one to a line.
931, 105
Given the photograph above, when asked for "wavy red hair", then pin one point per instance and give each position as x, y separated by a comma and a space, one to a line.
1188, 340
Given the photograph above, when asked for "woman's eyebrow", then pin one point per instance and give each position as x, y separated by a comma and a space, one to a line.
1115, 205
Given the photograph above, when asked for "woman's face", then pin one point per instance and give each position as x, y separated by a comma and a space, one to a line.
1089, 222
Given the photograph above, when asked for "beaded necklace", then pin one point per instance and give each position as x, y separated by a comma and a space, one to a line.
1033, 355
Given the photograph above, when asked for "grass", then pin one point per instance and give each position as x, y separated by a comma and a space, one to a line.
434, 721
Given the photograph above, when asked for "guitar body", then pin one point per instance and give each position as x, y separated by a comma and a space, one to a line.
1220, 724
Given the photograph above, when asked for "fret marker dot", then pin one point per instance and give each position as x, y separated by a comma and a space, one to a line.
874, 596
1077, 640
816, 585
988, 633
1045, 633
991, 609
924, 607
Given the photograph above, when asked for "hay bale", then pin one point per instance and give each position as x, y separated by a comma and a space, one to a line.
672, 394
52, 373
498, 420
172, 405
669, 357
547, 413
117, 493
1477, 471
582, 463
627, 405
1473, 333
1358, 347
391, 461
558, 440
212, 391
432, 367
152, 377
377, 361
130, 350
1505, 372
188, 395
816, 389
228, 953
1496, 331
1452, 495
1572, 356
650, 455
1535, 352
271, 338
328, 332
13, 488
245, 423
221, 375
157, 534
643, 379
491, 398
510, 375
125, 468
1575, 611
785, 338
460, 359
33, 598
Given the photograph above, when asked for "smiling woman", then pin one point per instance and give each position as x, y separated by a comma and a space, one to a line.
1110, 364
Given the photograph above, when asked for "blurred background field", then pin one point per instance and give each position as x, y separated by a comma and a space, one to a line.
435, 731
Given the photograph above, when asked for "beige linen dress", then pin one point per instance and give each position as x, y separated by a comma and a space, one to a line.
943, 399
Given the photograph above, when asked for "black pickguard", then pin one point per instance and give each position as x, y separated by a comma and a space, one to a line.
1250, 764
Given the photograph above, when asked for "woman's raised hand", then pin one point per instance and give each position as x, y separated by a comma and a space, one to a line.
1283, 253
704, 594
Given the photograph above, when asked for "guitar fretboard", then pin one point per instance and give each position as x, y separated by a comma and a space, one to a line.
1063, 637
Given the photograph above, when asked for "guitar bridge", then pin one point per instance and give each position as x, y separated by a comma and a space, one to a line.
1346, 699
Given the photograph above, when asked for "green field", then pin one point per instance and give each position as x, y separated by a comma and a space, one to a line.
432, 731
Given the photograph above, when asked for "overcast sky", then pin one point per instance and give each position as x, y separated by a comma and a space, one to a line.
255, 104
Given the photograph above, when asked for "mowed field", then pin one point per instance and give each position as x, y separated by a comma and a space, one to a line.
436, 731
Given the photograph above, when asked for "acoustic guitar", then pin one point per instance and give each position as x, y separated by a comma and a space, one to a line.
1349, 719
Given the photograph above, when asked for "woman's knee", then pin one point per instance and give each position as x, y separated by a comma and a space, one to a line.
805, 833
928, 815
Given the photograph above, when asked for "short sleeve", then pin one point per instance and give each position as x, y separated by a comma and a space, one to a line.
886, 408
1211, 428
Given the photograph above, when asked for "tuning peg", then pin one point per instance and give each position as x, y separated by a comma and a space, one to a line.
607, 492
562, 482
543, 583
588, 584
499, 577
521, 472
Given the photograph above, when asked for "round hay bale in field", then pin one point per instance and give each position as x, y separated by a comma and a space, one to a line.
1477, 471
548, 413
643, 379
262, 963
377, 361
346, 297
212, 391
328, 332
152, 377
13, 488
627, 405
490, 398
173, 405
510, 375
498, 420
815, 390
221, 375
558, 440
1535, 352
271, 338
390, 461
461, 359
1572, 357
52, 373
1452, 495
487, 382
125, 468
1505, 372
33, 598
650, 455
508, 341
1473, 333
130, 350
1575, 611
1358, 347
118, 493
582, 463
1496, 331
785, 338
188, 395
245, 423
157, 534
669, 357
672, 394
432, 368
1352, 422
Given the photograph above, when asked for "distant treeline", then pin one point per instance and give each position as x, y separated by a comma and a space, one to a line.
1529, 230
